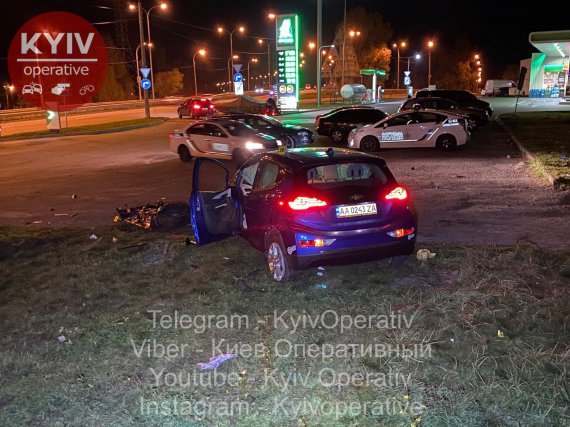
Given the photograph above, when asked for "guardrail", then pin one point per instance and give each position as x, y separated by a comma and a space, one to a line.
37, 113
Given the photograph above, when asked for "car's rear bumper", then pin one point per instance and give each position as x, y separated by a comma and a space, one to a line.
355, 254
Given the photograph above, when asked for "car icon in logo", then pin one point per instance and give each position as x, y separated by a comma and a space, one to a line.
32, 88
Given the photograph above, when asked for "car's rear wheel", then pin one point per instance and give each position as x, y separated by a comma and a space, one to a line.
184, 153
370, 143
277, 259
238, 157
337, 135
446, 142
289, 141
179, 114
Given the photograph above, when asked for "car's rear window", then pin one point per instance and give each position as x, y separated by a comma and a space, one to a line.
343, 174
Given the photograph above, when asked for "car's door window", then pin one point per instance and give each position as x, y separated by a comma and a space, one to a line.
199, 129
267, 177
401, 120
213, 130
371, 116
426, 118
341, 116
248, 177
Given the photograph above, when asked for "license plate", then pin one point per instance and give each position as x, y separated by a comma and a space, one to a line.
356, 210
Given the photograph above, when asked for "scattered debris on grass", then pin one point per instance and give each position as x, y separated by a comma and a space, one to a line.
157, 216
93, 237
425, 254
215, 362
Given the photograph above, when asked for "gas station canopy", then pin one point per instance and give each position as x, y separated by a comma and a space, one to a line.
552, 43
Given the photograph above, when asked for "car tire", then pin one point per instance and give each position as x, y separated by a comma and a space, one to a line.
446, 142
277, 259
184, 153
337, 136
289, 141
370, 144
179, 114
397, 261
238, 157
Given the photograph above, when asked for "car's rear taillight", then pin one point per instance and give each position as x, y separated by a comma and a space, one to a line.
303, 203
211, 107
398, 193
196, 106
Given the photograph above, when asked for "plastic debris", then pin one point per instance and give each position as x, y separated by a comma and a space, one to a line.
425, 254
320, 273
500, 334
160, 215
115, 240
74, 196
216, 361
62, 338
93, 237
321, 268
321, 286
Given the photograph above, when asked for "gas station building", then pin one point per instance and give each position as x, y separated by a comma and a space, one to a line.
548, 68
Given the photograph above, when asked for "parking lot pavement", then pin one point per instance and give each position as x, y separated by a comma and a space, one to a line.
481, 194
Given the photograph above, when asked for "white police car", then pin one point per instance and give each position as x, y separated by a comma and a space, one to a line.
425, 128
221, 139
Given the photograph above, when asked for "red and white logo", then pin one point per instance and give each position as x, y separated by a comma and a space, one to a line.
58, 61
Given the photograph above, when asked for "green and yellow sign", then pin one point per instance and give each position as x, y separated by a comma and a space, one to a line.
287, 36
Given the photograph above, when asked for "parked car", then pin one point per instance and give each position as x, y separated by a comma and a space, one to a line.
308, 207
429, 128
477, 116
462, 97
196, 108
291, 135
338, 123
222, 139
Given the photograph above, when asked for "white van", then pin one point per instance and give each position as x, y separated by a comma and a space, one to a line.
498, 87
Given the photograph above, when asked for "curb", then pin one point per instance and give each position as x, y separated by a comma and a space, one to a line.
527, 154
95, 132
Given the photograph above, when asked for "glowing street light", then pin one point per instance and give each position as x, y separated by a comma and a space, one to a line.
430, 44
269, 42
397, 47
221, 29
201, 52
254, 60
312, 45
271, 15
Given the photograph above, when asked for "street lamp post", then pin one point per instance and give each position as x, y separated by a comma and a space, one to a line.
137, 61
143, 55
319, 42
319, 72
260, 41
397, 46
254, 60
163, 6
241, 29
231, 61
430, 47
201, 52
8, 89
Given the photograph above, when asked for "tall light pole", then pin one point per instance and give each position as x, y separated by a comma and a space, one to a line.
137, 60
343, 44
230, 61
397, 46
241, 29
201, 52
260, 41
254, 60
430, 47
319, 42
8, 89
139, 10
319, 72
163, 6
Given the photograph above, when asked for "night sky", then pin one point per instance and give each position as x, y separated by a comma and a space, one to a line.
498, 29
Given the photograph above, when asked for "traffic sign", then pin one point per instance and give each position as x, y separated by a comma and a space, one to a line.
407, 73
145, 72
238, 88
146, 84
237, 67
407, 81
238, 78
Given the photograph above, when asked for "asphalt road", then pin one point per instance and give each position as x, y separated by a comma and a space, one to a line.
481, 194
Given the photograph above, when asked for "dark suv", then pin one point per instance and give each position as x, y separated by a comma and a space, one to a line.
196, 107
338, 123
477, 116
291, 135
462, 97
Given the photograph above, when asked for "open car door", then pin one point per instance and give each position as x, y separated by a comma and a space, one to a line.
213, 213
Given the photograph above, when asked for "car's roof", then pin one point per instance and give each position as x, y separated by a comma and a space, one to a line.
216, 120
297, 158
352, 107
426, 110
431, 98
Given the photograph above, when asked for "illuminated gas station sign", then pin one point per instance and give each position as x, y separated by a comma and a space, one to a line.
287, 36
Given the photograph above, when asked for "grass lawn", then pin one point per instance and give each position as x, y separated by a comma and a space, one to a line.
476, 336
88, 128
547, 136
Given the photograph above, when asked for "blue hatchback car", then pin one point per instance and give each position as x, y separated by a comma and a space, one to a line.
308, 207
